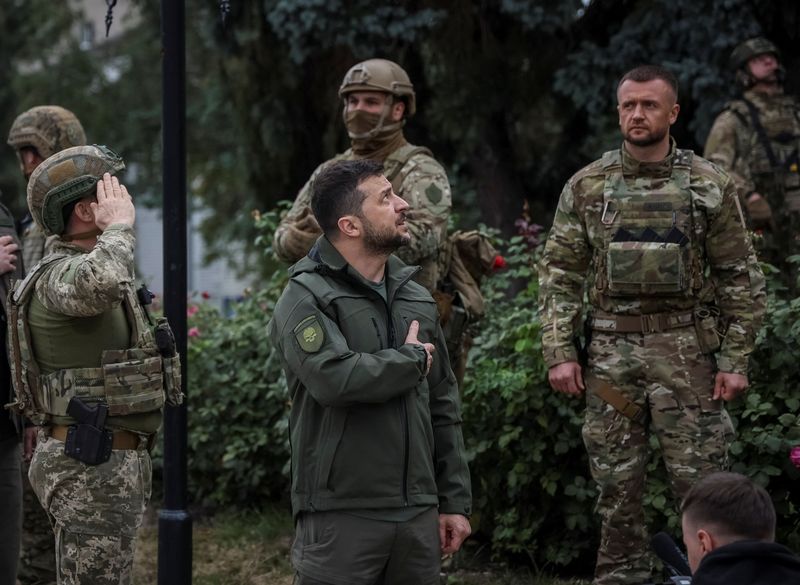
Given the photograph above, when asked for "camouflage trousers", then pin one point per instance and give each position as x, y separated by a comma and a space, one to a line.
95, 510
666, 375
37, 560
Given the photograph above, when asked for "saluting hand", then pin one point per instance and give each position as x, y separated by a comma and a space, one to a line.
114, 204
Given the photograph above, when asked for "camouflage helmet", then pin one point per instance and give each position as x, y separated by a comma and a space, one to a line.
65, 177
48, 129
380, 75
752, 48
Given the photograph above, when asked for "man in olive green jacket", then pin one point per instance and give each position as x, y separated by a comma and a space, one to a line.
380, 484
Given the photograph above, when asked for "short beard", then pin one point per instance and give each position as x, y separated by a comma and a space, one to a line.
382, 244
648, 140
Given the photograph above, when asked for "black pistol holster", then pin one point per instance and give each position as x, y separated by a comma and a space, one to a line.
88, 441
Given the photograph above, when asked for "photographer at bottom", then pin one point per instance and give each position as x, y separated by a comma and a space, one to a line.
729, 532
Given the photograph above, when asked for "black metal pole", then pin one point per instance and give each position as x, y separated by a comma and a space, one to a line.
174, 522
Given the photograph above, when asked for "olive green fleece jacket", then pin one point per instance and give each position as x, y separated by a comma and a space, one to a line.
368, 429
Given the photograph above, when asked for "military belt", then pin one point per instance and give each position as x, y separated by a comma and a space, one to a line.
621, 404
122, 441
650, 323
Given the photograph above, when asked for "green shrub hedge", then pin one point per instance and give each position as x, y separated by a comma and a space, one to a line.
533, 492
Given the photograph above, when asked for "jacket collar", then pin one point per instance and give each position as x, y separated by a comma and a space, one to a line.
324, 258
662, 168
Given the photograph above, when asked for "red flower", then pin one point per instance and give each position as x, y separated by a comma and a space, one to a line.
499, 263
205, 295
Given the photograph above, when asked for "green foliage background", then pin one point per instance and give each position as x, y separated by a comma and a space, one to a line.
514, 95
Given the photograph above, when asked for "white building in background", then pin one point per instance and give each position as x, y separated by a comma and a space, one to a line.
218, 278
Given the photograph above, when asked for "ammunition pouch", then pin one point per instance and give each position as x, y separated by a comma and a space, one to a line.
647, 268
172, 379
171, 361
706, 324
129, 381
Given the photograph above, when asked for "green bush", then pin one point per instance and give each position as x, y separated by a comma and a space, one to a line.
238, 404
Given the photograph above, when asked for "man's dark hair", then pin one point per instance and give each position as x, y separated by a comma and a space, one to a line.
644, 73
733, 504
335, 193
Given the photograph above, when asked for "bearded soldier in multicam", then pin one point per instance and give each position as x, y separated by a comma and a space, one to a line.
757, 140
655, 237
86, 366
378, 98
35, 135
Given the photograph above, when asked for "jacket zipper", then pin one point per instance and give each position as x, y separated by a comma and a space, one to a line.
391, 333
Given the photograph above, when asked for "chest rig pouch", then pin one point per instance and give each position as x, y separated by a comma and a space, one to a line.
648, 223
127, 381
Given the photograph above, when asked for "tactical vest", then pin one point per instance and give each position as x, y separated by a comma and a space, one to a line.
648, 243
773, 154
128, 381
394, 163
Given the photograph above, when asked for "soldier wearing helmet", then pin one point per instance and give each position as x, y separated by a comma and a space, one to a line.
757, 138
377, 99
36, 134
85, 365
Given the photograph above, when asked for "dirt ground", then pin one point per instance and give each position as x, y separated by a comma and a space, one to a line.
253, 549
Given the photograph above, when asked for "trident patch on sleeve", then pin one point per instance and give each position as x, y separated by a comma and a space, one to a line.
310, 334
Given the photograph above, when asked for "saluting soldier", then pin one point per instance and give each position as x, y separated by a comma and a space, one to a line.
86, 366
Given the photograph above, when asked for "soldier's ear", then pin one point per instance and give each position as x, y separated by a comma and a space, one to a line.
83, 210
673, 115
349, 226
398, 109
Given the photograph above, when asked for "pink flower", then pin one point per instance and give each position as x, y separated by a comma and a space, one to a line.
194, 332
794, 456
192, 310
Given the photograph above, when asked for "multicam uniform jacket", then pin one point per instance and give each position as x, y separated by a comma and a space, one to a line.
735, 145
720, 266
419, 179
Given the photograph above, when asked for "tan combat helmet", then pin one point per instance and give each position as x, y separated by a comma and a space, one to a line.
748, 49
380, 75
65, 177
48, 129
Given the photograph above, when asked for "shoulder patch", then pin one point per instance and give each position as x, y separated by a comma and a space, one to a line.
433, 193
310, 334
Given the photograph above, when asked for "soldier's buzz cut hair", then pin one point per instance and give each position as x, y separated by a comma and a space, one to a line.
649, 73
733, 505
335, 193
